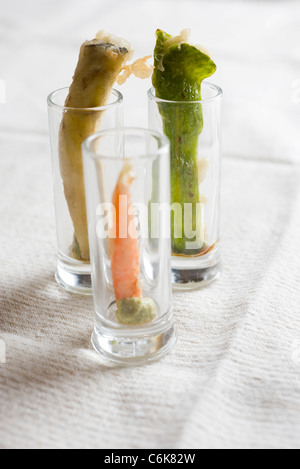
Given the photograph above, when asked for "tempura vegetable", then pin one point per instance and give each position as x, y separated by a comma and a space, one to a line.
125, 250
100, 63
179, 69
132, 308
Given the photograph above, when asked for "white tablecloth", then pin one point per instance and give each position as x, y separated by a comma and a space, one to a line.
233, 380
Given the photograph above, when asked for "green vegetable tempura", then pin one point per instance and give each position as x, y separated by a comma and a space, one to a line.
179, 69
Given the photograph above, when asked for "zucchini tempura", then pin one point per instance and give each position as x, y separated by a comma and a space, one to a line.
100, 63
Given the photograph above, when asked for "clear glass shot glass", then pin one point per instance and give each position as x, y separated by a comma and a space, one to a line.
127, 178
68, 128
193, 129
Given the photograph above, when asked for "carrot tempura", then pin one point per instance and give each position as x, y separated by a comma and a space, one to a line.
125, 257
133, 309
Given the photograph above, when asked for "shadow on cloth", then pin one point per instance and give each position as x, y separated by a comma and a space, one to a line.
57, 323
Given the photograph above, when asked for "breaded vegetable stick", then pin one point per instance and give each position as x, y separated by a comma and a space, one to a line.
100, 63
125, 265
133, 309
179, 69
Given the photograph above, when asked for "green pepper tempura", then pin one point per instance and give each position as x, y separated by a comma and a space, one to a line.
179, 69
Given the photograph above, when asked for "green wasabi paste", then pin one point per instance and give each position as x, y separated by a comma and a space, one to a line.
136, 311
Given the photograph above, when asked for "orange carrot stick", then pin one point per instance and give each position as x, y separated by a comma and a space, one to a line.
125, 250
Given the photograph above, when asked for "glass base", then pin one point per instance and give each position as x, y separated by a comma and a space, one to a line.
131, 348
194, 279
194, 273
74, 280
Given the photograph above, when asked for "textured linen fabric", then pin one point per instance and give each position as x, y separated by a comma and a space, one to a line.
233, 379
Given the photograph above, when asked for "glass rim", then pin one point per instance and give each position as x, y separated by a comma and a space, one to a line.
52, 103
164, 144
218, 90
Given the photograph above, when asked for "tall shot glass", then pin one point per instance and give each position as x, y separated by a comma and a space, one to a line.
193, 129
68, 128
127, 179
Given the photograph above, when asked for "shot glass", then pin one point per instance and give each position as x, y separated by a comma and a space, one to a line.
127, 179
193, 130
68, 128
